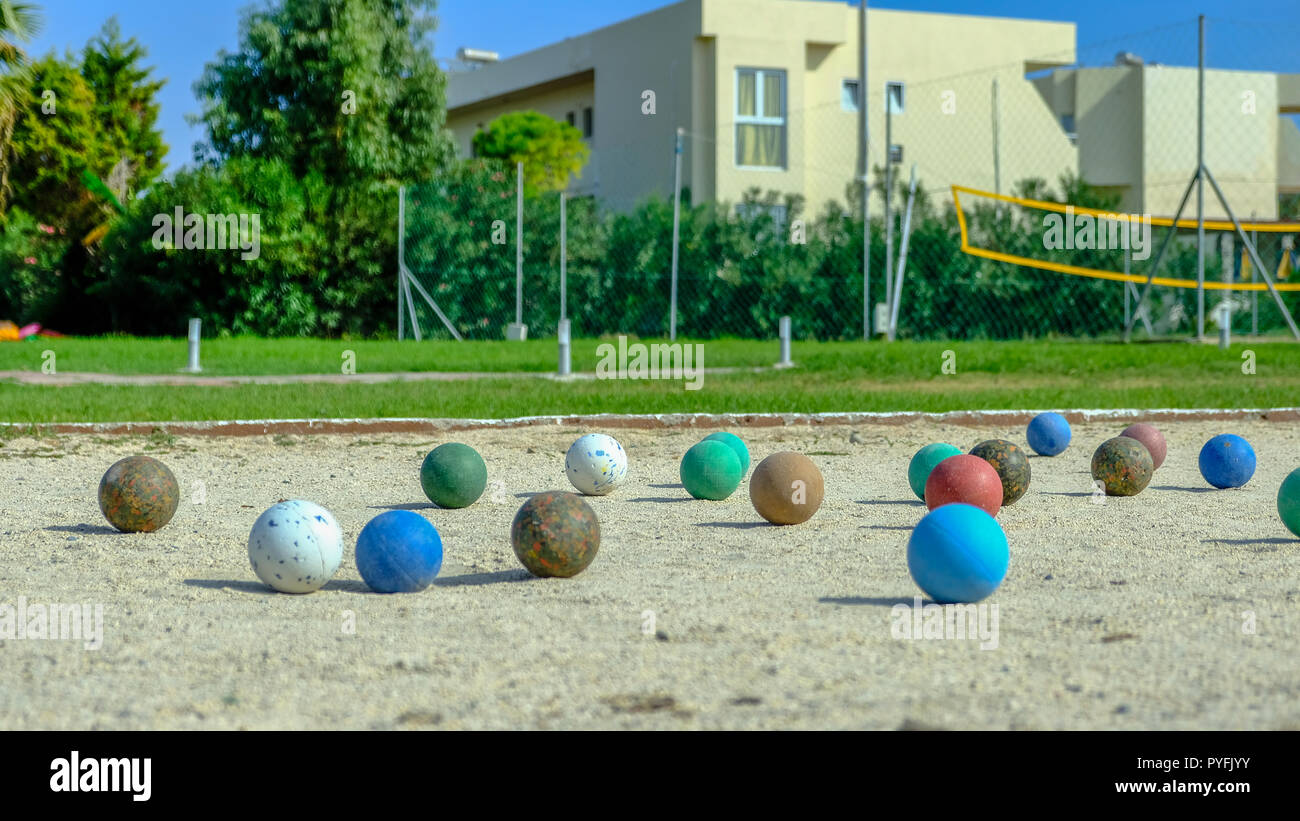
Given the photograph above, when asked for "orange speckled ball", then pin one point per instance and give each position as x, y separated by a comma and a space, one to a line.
786, 488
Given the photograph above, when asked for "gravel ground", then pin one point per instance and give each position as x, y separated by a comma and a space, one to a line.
1175, 609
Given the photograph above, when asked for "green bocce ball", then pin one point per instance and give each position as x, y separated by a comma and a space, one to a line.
453, 475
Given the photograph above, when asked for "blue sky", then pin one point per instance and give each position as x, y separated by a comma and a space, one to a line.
183, 35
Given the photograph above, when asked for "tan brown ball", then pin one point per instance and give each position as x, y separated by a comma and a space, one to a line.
786, 488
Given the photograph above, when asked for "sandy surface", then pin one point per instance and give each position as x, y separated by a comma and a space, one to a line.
1136, 613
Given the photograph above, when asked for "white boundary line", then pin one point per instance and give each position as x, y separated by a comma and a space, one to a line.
253, 427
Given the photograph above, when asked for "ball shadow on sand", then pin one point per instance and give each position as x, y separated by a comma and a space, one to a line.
88, 530
878, 601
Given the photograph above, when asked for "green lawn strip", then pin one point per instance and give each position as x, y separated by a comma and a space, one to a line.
769, 392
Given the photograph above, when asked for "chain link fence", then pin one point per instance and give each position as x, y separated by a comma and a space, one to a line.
1115, 131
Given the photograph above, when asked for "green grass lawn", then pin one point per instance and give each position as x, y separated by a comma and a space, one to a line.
828, 377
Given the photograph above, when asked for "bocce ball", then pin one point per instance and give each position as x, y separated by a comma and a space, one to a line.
958, 554
1152, 438
964, 479
1123, 465
786, 488
1012, 466
596, 464
556, 534
710, 470
139, 494
1288, 502
399, 552
735, 443
1048, 434
453, 475
295, 546
924, 461
1227, 460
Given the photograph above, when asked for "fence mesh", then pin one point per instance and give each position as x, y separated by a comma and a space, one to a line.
1053, 136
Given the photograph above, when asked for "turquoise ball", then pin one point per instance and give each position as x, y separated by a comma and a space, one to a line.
737, 444
710, 470
925, 460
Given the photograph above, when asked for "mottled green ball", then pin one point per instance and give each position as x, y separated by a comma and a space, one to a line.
1123, 466
139, 494
555, 534
1288, 502
735, 443
453, 475
1012, 464
711, 470
925, 460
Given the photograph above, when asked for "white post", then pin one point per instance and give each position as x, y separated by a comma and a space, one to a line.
677, 217
902, 258
517, 330
566, 359
564, 259
193, 366
784, 330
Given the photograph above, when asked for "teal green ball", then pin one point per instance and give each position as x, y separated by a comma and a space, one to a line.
1288, 502
925, 460
711, 470
737, 444
453, 475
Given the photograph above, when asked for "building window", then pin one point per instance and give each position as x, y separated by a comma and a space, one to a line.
894, 98
849, 96
760, 118
587, 122
569, 118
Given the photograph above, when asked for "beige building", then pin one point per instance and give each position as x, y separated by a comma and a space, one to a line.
766, 91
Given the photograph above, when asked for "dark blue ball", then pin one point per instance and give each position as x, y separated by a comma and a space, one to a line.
1227, 460
1048, 434
399, 552
958, 553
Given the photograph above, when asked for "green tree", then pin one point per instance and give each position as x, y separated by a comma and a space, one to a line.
50, 150
346, 88
551, 151
126, 110
18, 22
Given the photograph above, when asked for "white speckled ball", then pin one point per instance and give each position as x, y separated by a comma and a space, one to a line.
596, 464
295, 546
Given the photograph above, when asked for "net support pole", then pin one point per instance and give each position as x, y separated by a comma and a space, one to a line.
1254, 255
401, 259
902, 258
1160, 255
677, 219
864, 169
1200, 177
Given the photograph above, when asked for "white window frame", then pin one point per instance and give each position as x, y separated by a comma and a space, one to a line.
758, 119
857, 96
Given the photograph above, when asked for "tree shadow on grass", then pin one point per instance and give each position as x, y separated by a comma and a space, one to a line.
88, 530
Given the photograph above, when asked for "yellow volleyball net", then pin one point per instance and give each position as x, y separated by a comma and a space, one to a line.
1057, 237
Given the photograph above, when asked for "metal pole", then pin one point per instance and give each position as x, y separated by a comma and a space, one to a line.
1254, 295
1225, 305
997, 154
519, 243
1254, 256
889, 191
864, 169
401, 259
1127, 256
1200, 182
564, 258
902, 258
566, 357
783, 328
677, 216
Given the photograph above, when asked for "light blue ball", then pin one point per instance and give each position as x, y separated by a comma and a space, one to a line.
1227, 460
399, 552
1048, 434
958, 553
